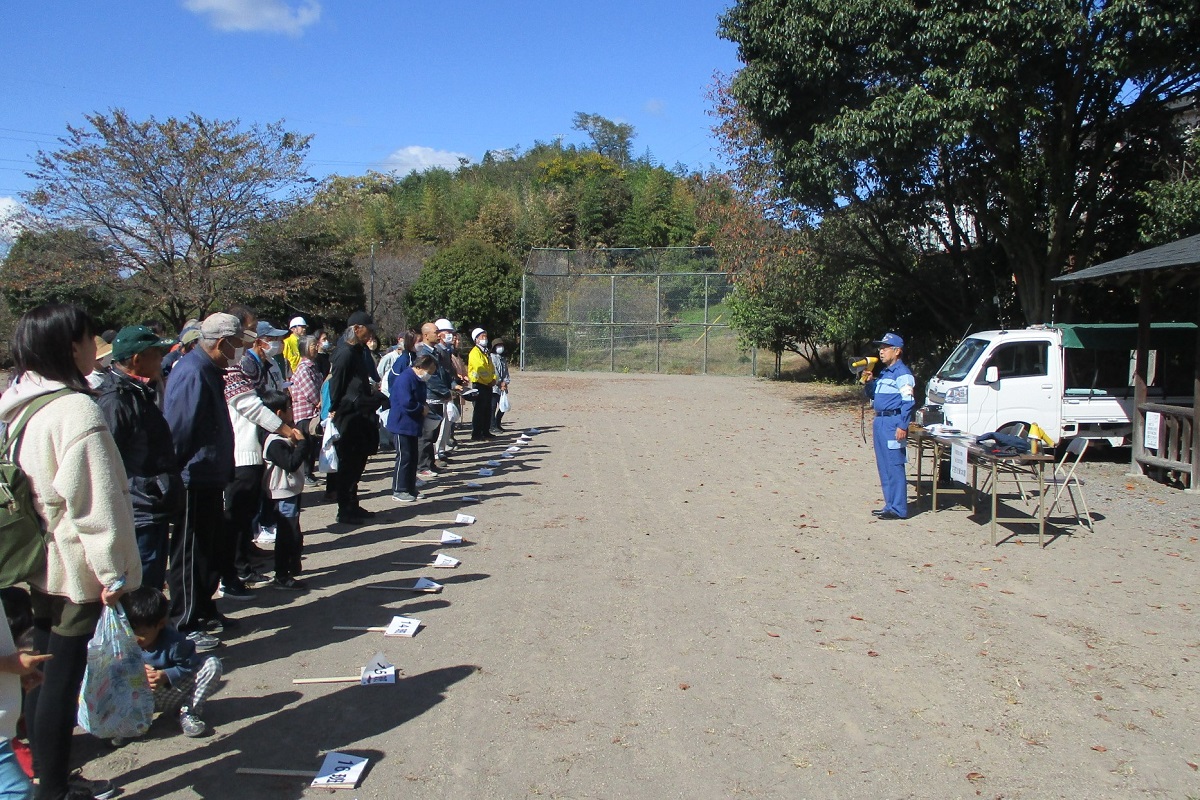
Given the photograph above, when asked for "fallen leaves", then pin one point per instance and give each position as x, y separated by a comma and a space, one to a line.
856, 617
773, 635
872, 654
1099, 748
685, 686
974, 776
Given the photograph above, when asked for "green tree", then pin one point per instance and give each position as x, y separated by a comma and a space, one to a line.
613, 140
471, 283
172, 201
1173, 205
64, 265
1037, 121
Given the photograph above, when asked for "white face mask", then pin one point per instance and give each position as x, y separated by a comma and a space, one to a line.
423, 376
274, 349
483, 342
500, 350
447, 338
326, 346
238, 352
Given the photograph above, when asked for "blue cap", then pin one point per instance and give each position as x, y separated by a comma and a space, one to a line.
268, 331
890, 339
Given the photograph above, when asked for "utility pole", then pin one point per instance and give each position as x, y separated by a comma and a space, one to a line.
373, 277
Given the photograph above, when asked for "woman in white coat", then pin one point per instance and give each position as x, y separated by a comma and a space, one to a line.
82, 496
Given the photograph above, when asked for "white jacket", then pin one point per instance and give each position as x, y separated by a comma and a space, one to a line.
248, 414
81, 490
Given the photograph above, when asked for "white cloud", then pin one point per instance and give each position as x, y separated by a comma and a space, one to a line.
267, 16
10, 208
416, 158
655, 106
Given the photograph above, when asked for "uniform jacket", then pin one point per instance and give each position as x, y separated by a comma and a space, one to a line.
200, 429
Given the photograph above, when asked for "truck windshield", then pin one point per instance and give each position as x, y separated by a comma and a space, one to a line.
962, 359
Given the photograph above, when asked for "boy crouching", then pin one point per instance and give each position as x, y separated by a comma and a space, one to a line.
180, 678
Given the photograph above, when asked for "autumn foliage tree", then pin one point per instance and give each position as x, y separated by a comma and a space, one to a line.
172, 201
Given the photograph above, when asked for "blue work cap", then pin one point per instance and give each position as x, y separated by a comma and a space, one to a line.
891, 340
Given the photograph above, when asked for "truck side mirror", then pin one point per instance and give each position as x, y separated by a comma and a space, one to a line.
991, 375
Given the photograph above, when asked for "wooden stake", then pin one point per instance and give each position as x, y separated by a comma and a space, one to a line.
352, 628
406, 589
283, 773
433, 541
345, 679
424, 564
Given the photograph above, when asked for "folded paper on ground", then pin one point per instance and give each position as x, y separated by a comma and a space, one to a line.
493, 463
513, 449
484, 472
474, 485
378, 670
468, 498
402, 626
340, 771
451, 538
464, 519
426, 585
443, 560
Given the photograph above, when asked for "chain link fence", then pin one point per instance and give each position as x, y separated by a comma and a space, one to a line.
629, 310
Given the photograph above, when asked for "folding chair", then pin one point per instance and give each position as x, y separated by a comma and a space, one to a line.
1012, 471
1064, 480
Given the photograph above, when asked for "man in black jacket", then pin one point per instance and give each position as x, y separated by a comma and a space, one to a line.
354, 398
129, 403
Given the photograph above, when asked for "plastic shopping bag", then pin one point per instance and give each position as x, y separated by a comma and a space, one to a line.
452, 412
505, 406
328, 462
115, 699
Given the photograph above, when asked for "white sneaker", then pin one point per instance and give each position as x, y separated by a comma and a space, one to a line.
266, 536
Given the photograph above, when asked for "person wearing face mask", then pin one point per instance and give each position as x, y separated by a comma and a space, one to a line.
483, 377
406, 418
500, 365
245, 384
324, 348
202, 436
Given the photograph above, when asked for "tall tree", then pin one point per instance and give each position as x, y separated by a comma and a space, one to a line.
610, 139
470, 283
172, 201
1034, 119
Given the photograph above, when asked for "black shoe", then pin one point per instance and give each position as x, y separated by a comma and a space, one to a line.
237, 591
889, 515
219, 624
289, 583
350, 519
254, 579
879, 512
362, 512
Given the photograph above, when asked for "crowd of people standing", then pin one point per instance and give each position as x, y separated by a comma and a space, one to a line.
156, 461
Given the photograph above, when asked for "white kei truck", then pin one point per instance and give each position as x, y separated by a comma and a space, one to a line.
1072, 380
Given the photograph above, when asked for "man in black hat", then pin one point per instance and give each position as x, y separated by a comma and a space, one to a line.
129, 401
353, 400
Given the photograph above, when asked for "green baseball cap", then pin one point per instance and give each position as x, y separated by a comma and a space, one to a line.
133, 339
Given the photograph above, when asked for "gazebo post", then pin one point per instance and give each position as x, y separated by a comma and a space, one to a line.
1195, 422
1138, 415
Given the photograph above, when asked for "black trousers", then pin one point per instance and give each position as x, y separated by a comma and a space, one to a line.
429, 435
481, 417
352, 460
50, 708
244, 499
197, 538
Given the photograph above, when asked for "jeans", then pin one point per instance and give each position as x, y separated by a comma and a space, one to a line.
152, 539
14, 785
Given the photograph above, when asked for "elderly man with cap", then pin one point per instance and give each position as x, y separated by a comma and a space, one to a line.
202, 436
482, 375
353, 400
291, 344
892, 396
244, 384
128, 399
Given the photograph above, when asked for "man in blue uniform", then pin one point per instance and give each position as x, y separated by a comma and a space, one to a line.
891, 394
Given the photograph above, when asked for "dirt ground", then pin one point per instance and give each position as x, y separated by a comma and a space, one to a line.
677, 590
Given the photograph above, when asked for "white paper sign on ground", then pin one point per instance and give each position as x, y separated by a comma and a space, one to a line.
444, 560
427, 585
513, 449
958, 463
464, 519
470, 498
1153, 422
451, 538
508, 455
378, 670
524, 440
484, 472
534, 431
474, 485
493, 463
340, 771
402, 626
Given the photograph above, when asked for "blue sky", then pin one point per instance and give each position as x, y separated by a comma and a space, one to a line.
382, 84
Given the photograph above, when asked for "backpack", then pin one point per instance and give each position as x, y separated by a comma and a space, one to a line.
22, 531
